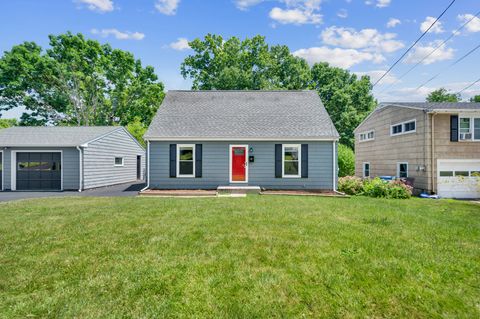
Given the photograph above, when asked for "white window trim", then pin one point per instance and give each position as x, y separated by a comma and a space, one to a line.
366, 136
472, 128
299, 147
178, 160
403, 127
119, 165
13, 167
230, 163
398, 169
369, 169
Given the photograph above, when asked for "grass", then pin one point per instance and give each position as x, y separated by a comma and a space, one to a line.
254, 257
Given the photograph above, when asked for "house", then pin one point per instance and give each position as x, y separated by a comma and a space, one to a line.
68, 158
266, 139
436, 145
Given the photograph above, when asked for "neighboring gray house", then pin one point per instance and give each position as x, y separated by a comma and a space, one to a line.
68, 158
270, 139
436, 145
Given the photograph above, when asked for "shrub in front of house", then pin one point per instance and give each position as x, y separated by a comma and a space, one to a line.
346, 161
376, 187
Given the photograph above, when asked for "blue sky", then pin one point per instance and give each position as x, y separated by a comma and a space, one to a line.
365, 36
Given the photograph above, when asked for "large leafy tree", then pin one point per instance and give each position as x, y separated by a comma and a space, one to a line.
252, 64
442, 95
234, 64
77, 81
475, 99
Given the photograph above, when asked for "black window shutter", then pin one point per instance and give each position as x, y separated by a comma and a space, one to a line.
454, 128
278, 160
173, 160
304, 160
198, 160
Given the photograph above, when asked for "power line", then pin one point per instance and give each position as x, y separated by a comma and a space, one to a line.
414, 43
468, 86
456, 32
451, 65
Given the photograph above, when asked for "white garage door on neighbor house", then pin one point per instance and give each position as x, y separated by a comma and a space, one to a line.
459, 178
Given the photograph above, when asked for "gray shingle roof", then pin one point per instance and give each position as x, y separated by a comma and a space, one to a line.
436, 105
242, 115
52, 136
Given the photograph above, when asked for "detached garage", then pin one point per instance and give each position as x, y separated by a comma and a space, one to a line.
68, 158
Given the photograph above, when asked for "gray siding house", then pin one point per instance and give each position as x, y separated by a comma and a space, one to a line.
68, 158
269, 139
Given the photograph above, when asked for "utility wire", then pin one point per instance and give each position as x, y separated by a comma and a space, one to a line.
451, 65
468, 86
456, 32
414, 43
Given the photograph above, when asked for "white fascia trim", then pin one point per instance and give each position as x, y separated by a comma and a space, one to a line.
243, 139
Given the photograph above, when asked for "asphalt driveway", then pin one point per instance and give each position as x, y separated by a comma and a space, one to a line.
122, 190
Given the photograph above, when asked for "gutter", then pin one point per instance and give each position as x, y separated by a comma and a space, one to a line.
334, 167
148, 168
80, 169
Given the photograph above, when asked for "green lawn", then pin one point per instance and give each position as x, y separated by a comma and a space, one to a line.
251, 257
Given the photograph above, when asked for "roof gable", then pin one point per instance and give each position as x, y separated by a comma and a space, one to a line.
241, 115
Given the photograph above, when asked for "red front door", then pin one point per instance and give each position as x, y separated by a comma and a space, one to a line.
239, 163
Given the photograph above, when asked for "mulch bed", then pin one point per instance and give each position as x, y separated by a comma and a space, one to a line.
179, 193
304, 193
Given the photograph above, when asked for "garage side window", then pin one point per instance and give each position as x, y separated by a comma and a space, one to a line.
402, 170
185, 160
118, 161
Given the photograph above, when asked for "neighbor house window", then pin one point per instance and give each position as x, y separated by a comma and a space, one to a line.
469, 129
367, 136
118, 161
185, 160
366, 170
403, 128
291, 160
402, 170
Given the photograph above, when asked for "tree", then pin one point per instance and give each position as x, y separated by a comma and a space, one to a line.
250, 64
77, 82
475, 99
6, 123
442, 95
346, 161
347, 98
137, 129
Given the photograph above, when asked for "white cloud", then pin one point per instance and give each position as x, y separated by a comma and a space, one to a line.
180, 45
97, 5
437, 28
378, 3
368, 39
377, 74
421, 51
472, 26
168, 7
119, 34
342, 13
393, 22
343, 58
244, 4
294, 16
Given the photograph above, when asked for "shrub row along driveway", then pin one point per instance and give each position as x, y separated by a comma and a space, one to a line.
258, 256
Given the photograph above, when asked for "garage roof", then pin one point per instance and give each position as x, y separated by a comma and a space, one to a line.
52, 136
248, 115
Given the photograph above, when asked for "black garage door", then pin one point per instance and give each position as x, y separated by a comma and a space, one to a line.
38, 171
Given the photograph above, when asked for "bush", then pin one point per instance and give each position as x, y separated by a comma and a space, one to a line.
350, 185
376, 187
346, 161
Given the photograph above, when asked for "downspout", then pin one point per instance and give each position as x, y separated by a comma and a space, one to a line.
432, 150
334, 167
148, 168
80, 169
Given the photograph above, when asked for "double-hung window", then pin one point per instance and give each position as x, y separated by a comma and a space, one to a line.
291, 155
403, 128
185, 160
469, 129
366, 170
